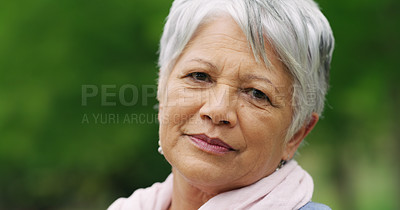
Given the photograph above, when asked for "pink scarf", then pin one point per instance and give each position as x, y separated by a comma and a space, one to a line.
290, 187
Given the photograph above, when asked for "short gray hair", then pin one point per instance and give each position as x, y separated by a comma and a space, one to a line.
296, 29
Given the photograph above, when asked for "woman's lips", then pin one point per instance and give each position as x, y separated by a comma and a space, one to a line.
211, 145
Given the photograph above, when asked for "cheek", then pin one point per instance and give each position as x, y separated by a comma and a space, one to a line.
178, 95
263, 132
178, 109
258, 123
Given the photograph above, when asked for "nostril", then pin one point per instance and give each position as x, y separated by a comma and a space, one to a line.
216, 120
206, 117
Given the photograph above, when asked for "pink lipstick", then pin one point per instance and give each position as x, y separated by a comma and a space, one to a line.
210, 145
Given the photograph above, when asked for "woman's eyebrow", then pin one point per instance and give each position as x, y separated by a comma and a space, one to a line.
205, 62
249, 77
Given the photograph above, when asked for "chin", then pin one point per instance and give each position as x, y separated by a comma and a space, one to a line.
208, 176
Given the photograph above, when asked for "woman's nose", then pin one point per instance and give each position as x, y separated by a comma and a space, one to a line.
219, 106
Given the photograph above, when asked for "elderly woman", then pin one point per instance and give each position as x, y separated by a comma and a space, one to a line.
241, 84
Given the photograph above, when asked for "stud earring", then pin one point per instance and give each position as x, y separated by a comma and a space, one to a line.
281, 164
159, 148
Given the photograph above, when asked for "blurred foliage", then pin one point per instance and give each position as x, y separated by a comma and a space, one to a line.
52, 158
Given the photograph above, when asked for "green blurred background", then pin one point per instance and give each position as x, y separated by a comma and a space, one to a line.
52, 157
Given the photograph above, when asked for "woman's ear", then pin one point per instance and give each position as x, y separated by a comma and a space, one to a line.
298, 137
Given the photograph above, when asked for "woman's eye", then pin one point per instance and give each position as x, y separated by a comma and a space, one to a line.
200, 76
257, 94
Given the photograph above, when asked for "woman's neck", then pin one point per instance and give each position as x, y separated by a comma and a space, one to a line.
186, 196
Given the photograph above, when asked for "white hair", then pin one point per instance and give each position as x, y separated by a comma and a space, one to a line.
296, 29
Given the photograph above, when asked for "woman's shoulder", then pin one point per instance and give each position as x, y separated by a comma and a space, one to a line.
158, 196
315, 206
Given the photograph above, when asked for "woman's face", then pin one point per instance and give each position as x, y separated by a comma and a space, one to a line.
223, 116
